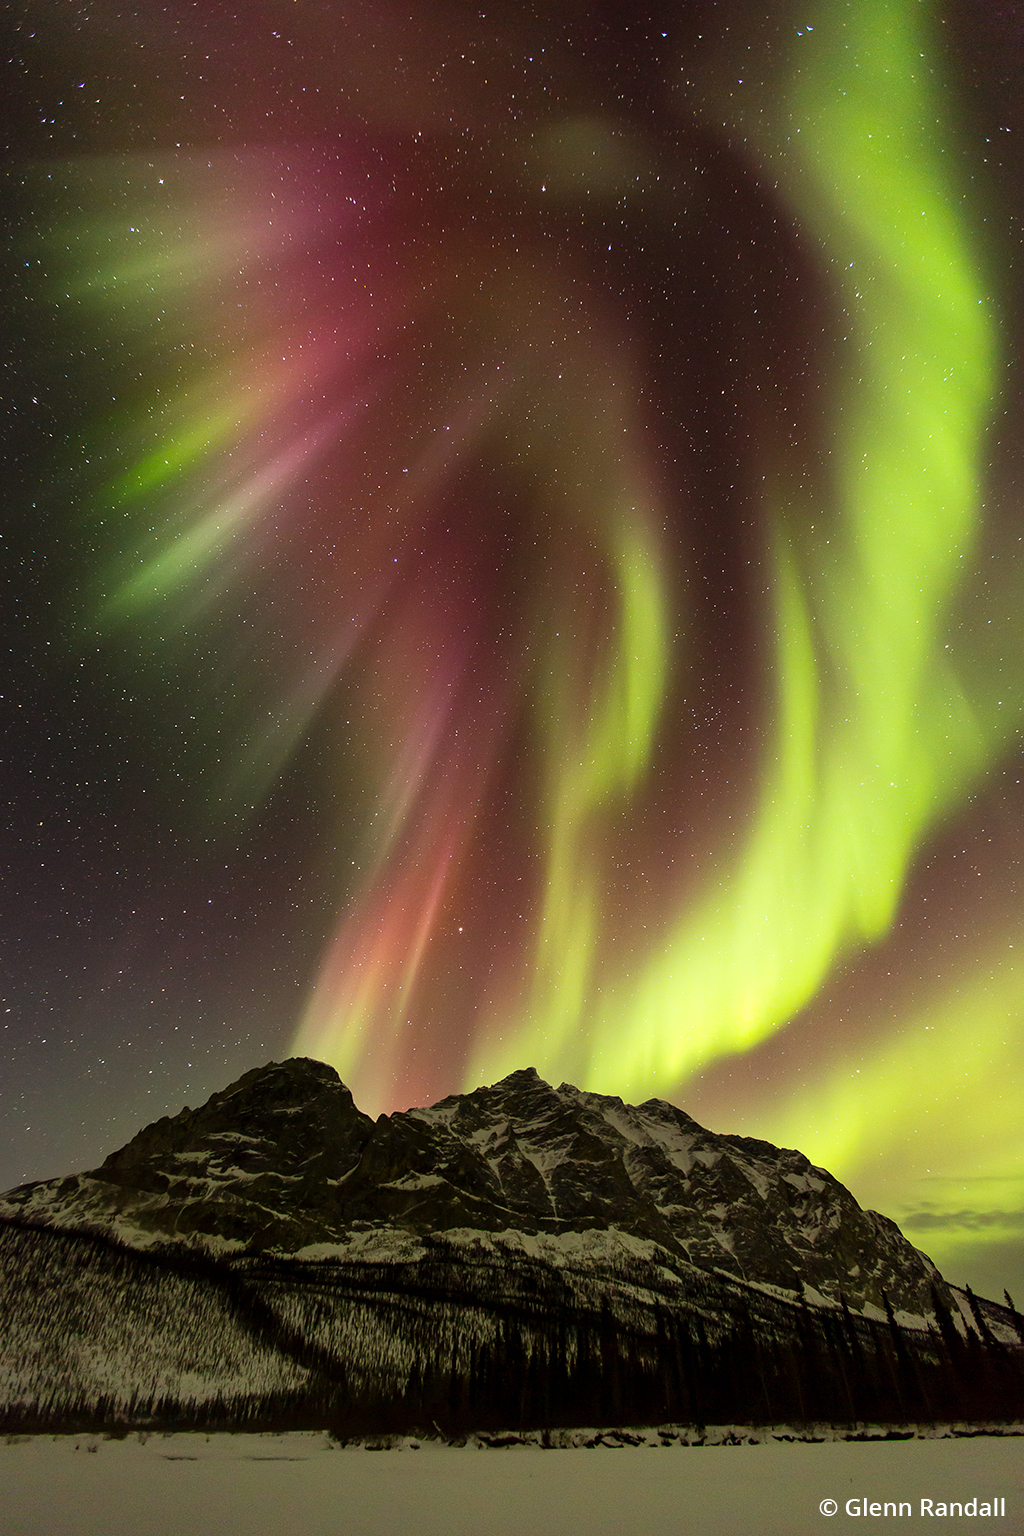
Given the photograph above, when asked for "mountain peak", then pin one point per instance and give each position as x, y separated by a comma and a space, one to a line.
523, 1080
294, 1070
299, 1066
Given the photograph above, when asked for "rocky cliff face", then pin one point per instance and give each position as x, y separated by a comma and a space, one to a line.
283, 1162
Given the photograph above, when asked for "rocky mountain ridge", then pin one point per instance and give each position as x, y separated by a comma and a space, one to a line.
283, 1161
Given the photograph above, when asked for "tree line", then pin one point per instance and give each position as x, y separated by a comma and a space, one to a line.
456, 1341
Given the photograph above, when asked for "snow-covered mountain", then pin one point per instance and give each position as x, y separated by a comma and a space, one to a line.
516, 1256
283, 1160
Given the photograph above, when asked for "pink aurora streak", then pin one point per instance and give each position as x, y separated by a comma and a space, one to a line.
435, 448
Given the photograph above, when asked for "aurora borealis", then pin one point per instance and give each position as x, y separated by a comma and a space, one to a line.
518, 540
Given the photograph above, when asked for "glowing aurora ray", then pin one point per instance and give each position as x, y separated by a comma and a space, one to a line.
591, 766
595, 710
873, 737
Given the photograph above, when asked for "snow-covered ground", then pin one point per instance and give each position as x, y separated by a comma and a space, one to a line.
302, 1485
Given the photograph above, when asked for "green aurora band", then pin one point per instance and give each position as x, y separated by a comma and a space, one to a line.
873, 737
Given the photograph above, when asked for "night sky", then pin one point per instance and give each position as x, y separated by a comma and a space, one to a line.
515, 556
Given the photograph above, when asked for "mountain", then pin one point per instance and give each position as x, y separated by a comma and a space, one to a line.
518, 1254
283, 1160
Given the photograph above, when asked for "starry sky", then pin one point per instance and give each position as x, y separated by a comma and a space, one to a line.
515, 557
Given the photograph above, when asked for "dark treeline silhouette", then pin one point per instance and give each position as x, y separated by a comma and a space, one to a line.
461, 1338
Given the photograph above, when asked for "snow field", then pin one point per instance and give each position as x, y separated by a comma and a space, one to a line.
303, 1485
